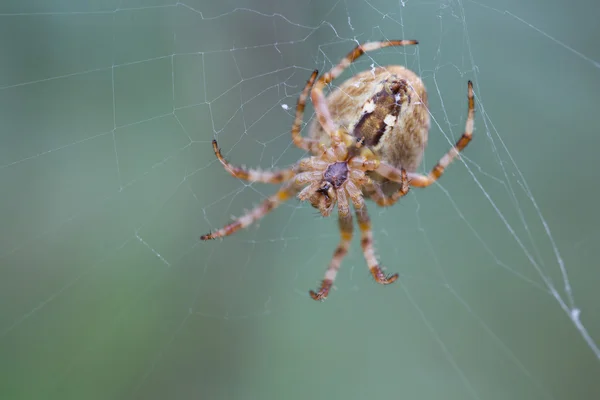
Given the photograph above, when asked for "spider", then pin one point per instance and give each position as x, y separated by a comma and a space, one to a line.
367, 141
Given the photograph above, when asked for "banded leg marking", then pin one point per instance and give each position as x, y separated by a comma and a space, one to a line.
253, 175
345, 225
253, 215
303, 143
366, 242
420, 180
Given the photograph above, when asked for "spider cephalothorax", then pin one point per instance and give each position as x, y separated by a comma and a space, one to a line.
366, 142
324, 191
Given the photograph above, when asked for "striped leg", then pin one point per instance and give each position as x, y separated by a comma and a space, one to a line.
317, 95
368, 162
253, 175
304, 143
420, 180
345, 225
255, 214
366, 242
386, 201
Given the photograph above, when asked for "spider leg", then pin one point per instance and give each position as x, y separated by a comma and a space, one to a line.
317, 95
368, 161
383, 200
253, 175
345, 225
268, 205
366, 242
304, 143
280, 176
420, 180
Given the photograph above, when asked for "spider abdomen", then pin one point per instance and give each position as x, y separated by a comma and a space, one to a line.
386, 107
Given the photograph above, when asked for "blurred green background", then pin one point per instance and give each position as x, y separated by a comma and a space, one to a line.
107, 179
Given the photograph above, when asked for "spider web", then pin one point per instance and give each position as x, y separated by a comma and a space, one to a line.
108, 179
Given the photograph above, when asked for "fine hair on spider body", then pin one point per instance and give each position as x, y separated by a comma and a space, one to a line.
367, 141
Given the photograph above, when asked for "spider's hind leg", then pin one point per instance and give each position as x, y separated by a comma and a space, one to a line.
420, 180
317, 95
302, 142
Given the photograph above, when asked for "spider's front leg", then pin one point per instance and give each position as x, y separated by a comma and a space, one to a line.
366, 236
288, 191
268, 205
366, 243
345, 225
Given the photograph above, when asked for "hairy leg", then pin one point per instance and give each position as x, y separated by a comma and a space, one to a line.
317, 95
420, 180
345, 225
253, 175
253, 215
301, 142
366, 242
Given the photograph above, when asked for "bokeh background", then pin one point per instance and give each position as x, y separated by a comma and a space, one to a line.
107, 179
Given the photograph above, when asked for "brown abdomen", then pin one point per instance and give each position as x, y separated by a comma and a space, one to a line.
387, 106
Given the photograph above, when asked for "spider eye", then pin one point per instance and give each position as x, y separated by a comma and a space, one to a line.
324, 189
324, 198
